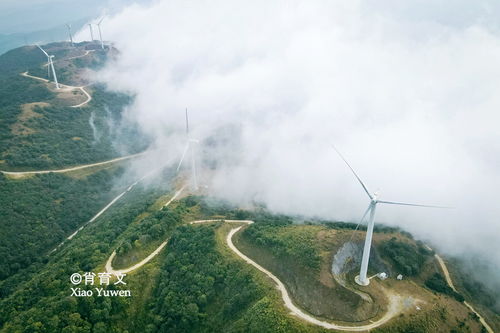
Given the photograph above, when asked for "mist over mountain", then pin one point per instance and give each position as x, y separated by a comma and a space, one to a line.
407, 92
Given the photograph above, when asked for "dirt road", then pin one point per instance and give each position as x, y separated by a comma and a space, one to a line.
394, 300
64, 87
109, 267
450, 283
111, 203
25, 173
89, 98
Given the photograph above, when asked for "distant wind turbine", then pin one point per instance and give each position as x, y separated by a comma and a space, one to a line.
50, 64
100, 35
191, 150
91, 32
69, 32
361, 279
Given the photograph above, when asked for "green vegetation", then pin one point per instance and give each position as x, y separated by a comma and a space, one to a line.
202, 291
379, 228
142, 237
297, 256
437, 283
39, 212
407, 258
20, 60
197, 286
293, 243
42, 302
50, 134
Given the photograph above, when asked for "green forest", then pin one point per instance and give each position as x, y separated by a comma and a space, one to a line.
196, 286
51, 135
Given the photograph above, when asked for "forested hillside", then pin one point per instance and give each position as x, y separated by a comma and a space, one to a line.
38, 127
39, 212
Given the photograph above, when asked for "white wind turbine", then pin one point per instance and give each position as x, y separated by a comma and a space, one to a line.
50, 64
69, 32
91, 32
191, 150
362, 279
100, 35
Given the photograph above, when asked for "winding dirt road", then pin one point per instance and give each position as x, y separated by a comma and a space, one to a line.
26, 173
89, 98
109, 268
64, 87
394, 300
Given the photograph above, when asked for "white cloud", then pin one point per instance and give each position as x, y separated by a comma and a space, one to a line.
411, 100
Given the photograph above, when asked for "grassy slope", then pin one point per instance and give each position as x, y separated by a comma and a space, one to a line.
452, 314
322, 297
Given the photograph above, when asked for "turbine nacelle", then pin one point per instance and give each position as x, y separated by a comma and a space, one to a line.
375, 196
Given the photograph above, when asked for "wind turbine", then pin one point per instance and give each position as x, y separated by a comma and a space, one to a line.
69, 32
91, 32
361, 279
50, 64
191, 150
100, 35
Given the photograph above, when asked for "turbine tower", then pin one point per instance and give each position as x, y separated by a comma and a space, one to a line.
362, 279
69, 32
100, 35
91, 32
50, 64
190, 147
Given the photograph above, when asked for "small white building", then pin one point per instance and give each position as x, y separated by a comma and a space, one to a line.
399, 277
382, 276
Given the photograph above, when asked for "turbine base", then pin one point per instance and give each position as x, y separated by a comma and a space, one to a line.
358, 281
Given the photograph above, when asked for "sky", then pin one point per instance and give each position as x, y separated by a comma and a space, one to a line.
407, 91
34, 15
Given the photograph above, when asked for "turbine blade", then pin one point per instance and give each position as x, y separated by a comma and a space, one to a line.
409, 204
357, 177
370, 207
100, 21
187, 122
42, 50
183, 155
364, 215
